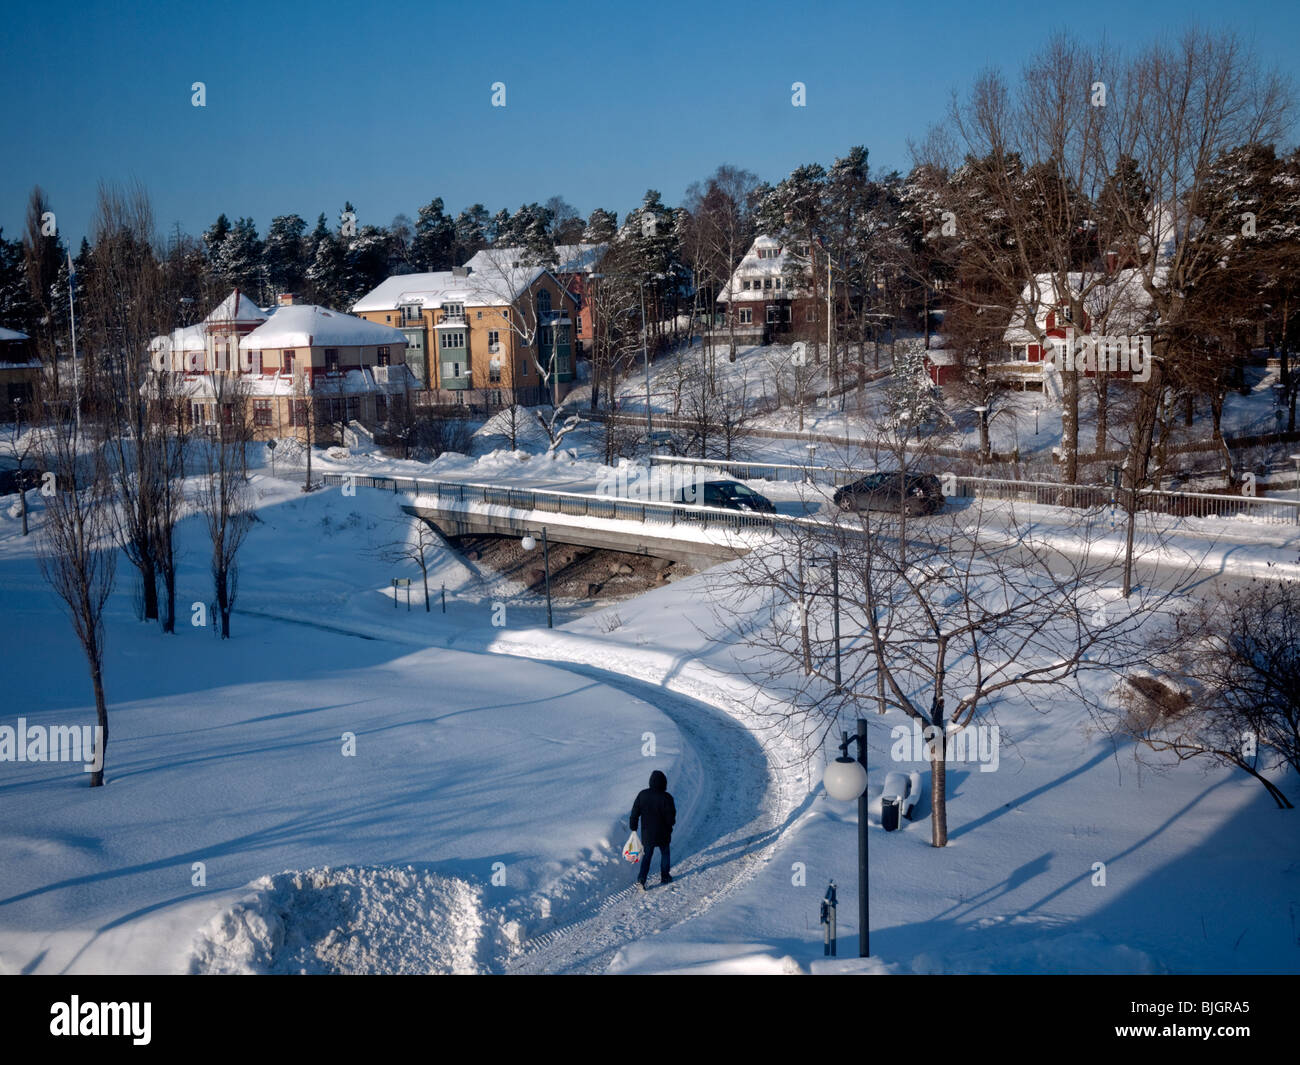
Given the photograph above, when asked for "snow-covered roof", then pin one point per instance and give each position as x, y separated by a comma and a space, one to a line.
493, 281
190, 338
1117, 304
236, 308
497, 276
12, 334
579, 258
307, 325
759, 267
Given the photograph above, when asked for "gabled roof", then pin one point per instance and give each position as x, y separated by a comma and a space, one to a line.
236, 308
753, 267
306, 325
12, 334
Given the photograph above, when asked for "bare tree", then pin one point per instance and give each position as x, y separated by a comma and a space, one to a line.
517, 276
224, 496
126, 310
1224, 685
78, 555
939, 625
416, 542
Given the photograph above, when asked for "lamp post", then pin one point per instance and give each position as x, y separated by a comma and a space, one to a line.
529, 543
845, 779
984, 431
1037, 408
1296, 460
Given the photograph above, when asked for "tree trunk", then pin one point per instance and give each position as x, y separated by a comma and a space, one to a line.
1070, 427
101, 717
1103, 413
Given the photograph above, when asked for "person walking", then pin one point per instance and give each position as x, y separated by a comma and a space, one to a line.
655, 812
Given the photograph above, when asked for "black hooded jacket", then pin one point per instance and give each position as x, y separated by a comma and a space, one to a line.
655, 812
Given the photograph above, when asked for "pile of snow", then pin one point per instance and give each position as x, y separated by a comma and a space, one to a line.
346, 921
495, 432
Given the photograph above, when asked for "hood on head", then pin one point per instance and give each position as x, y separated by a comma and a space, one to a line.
658, 781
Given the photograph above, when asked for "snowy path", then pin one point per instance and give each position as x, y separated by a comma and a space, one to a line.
728, 839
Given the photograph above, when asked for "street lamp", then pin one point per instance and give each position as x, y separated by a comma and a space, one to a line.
529, 543
845, 780
1296, 460
984, 430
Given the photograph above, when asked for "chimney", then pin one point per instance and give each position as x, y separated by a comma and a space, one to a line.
460, 271
287, 299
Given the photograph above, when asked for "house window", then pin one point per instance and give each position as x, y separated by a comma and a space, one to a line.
298, 412
453, 339
544, 301
810, 314
288, 362
331, 360
261, 412
523, 367
746, 315
496, 397
454, 312
773, 313
579, 323
382, 356
412, 312
767, 282
494, 371
478, 315
778, 283
388, 318
494, 340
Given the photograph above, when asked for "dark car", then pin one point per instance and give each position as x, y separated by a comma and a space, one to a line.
730, 494
918, 492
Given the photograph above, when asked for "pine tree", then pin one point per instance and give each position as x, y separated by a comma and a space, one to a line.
285, 255
435, 238
601, 226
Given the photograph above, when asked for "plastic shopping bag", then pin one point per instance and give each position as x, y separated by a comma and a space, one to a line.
632, 848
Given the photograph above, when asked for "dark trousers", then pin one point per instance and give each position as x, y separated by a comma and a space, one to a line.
645, 861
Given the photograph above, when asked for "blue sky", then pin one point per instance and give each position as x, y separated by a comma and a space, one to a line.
390, 105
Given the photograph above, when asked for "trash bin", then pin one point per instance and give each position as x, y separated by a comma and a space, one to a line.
889, 814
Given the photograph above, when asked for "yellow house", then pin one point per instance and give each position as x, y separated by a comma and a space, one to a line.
480, 333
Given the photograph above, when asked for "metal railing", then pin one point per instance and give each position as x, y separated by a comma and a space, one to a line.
573, 504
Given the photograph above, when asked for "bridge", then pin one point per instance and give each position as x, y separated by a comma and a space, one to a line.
695, 536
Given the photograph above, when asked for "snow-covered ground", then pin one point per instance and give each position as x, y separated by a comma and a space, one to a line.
478, 824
